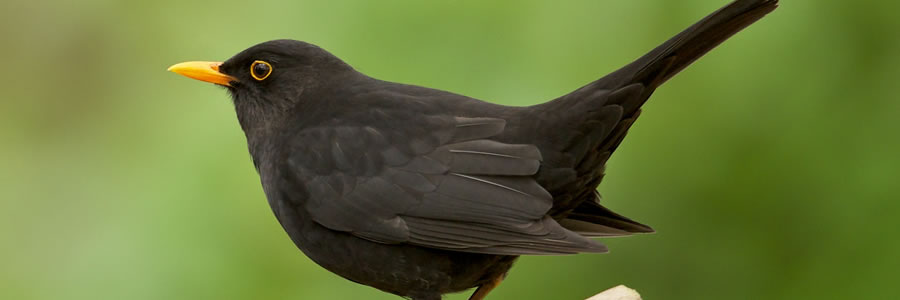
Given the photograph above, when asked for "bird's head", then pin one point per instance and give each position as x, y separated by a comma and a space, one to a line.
270, 78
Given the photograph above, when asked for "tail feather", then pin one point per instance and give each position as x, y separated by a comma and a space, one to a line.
610, 223
602, 112
666, 60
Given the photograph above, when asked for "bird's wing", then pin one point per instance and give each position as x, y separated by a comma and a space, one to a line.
434, 181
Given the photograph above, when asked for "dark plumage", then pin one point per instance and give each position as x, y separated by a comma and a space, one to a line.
421, 192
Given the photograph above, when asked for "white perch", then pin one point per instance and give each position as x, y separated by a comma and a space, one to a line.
620, 292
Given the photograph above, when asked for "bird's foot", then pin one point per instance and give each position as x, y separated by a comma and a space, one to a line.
486, 288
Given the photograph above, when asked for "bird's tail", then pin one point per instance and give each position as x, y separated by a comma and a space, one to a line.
636, 81
666, 60
610, 105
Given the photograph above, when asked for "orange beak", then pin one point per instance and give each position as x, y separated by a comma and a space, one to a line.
204, 71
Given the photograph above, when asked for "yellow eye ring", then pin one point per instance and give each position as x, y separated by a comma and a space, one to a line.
260, 70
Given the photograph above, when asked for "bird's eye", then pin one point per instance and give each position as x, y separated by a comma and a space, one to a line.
260, 70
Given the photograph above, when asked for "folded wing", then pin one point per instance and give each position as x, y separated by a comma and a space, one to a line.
437, 181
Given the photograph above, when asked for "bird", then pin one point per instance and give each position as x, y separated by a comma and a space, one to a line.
421, 192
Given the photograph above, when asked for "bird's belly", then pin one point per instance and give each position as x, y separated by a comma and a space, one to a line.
401, 269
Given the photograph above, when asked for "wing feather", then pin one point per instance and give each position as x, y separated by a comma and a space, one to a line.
440, 183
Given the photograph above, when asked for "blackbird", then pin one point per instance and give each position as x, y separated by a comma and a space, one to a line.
421, 192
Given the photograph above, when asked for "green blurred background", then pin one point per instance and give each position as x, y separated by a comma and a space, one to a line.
769, 168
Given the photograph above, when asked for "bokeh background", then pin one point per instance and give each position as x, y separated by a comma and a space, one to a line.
769, 168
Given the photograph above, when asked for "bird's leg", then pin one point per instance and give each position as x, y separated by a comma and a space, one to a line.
486, 288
